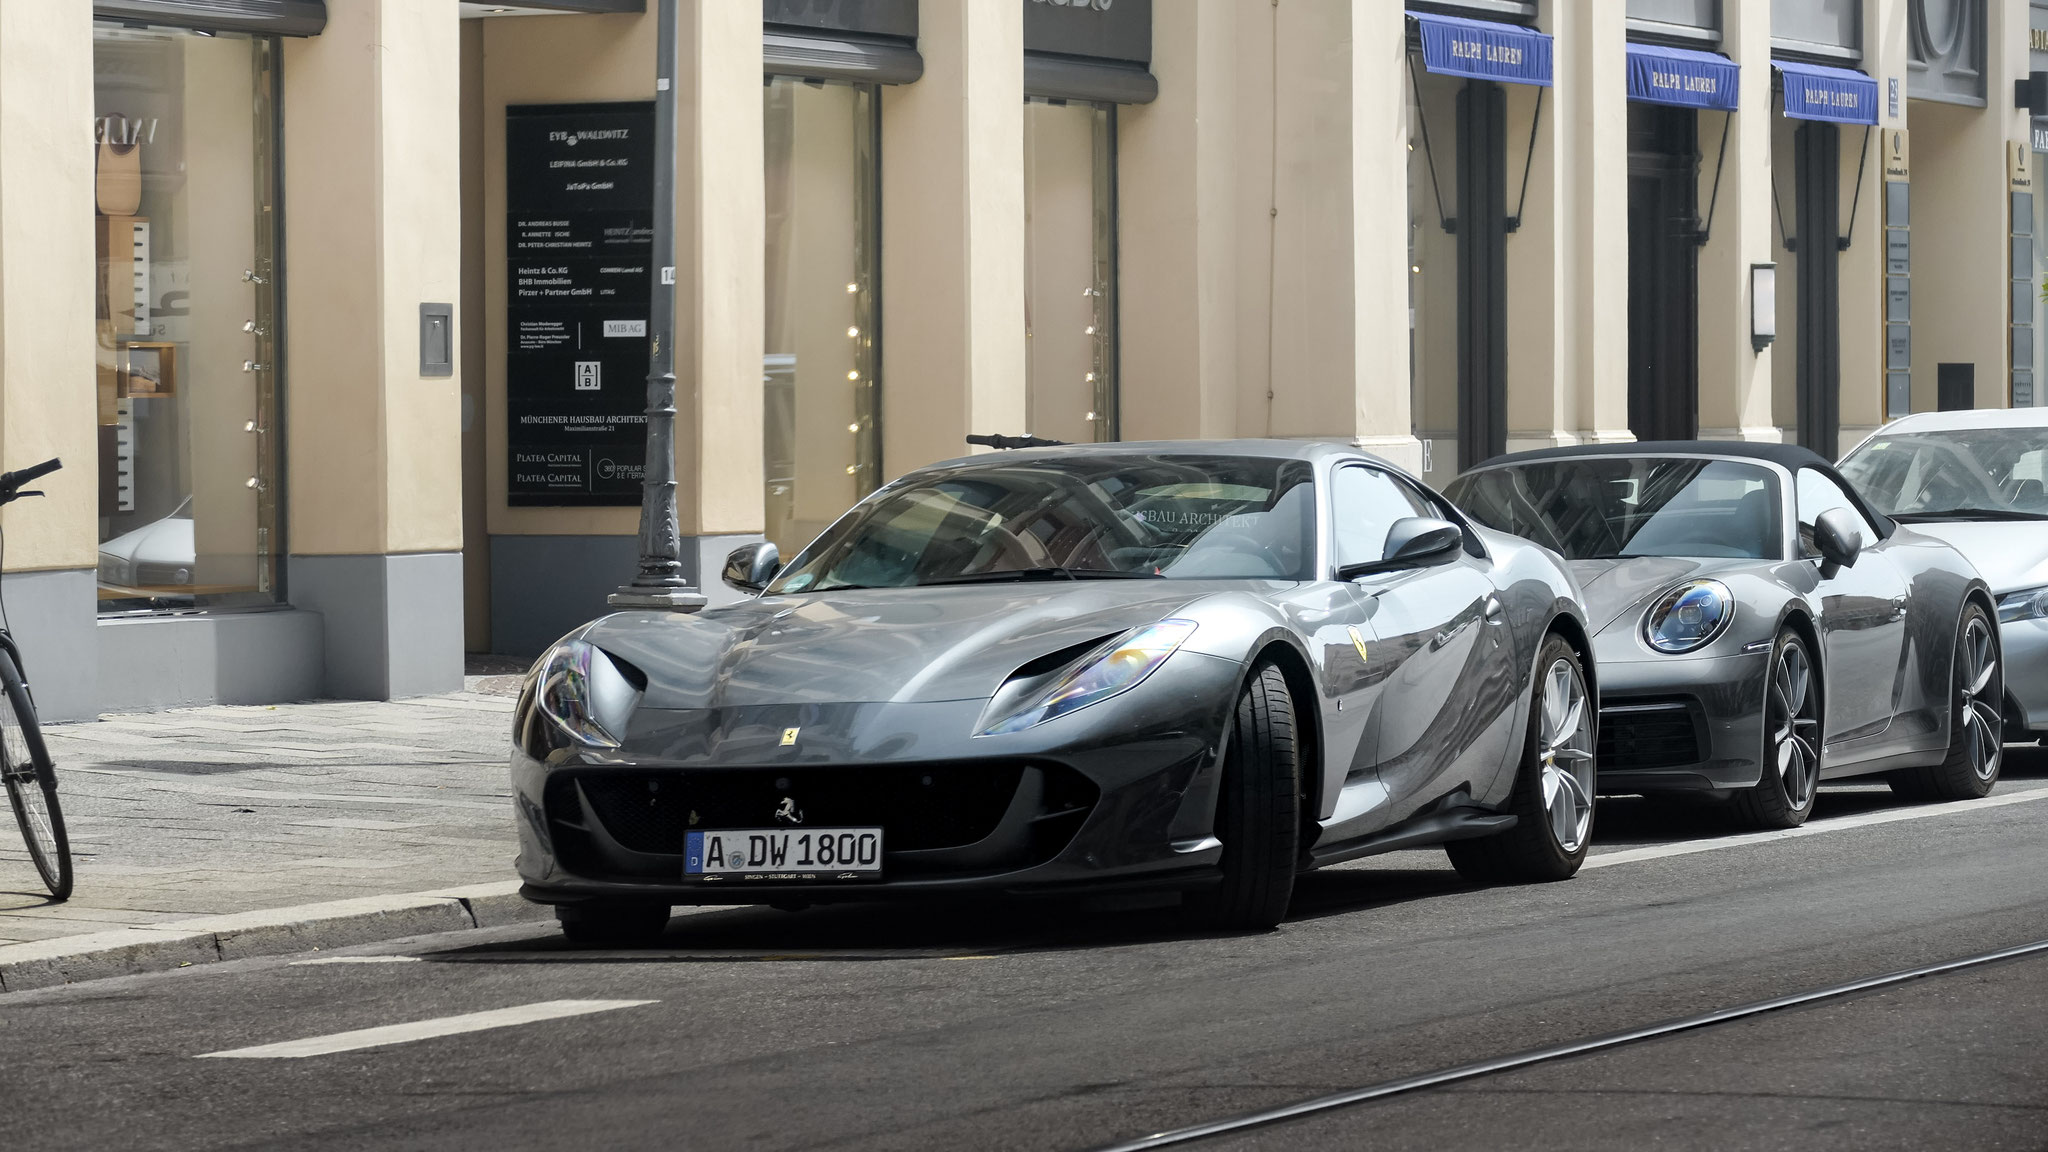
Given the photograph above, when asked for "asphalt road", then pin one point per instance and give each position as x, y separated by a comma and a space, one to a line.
1050, 1027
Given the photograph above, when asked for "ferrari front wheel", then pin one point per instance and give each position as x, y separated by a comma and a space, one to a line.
1554, 786
1258, 814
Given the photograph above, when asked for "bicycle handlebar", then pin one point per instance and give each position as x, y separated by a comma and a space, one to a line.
11, 482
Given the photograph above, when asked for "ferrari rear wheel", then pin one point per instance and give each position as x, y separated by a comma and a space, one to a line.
1783, 796
612, 925
1258, 815
1976, 737
1554, 787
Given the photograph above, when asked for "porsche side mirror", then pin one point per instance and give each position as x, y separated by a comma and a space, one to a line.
1420, 540
750, 568
1839, 540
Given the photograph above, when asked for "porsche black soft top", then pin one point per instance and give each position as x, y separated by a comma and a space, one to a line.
1790, 457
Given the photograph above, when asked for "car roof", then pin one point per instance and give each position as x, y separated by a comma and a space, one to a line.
1790, 457
1970, 418
1271, 449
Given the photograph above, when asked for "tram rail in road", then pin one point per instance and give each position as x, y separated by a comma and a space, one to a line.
1386, 1089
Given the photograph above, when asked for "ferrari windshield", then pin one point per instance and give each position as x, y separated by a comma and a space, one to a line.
1078, 517
1961, 474
1605, 507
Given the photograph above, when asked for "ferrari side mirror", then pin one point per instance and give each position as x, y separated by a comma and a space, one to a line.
1420, 540
1839, 540
751, 567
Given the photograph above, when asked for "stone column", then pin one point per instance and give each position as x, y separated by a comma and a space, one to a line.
47, 376
1178, 276
1568, 262
1735, 380
374, 449
953, 215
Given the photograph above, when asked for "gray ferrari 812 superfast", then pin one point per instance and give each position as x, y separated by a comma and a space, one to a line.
1759, 627
1194, 666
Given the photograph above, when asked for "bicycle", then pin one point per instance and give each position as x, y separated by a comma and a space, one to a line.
24, 761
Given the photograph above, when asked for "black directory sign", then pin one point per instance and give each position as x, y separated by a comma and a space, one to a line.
579, 216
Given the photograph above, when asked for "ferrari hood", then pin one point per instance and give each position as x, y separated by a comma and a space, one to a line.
1618, 588
2008, 555
873, 645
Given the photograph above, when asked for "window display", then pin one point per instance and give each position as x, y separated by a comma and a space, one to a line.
186, 318
1070, 270
821, 441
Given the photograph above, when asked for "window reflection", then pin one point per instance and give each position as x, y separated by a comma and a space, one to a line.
1070, 271
185, 318
821, 442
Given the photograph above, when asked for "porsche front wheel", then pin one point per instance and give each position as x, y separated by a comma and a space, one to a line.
1258, 815
1554, 786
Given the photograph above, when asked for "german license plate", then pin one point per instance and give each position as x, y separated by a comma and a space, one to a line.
784, 854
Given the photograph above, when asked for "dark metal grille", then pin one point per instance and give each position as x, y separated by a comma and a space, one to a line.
916, 806
1648, 736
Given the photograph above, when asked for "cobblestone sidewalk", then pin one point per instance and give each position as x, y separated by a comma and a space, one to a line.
206, 811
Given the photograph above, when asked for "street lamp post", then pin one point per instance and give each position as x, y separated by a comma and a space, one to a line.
660, 582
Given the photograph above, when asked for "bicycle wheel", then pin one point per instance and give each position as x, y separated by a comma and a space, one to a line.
32, 782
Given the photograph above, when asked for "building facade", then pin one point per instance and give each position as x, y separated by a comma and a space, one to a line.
338, 317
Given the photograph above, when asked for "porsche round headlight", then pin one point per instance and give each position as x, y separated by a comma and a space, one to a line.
1116, 667
1688, 616
2025, 604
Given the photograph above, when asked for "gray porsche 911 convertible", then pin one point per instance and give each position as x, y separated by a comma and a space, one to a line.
1759, 627
1193, 666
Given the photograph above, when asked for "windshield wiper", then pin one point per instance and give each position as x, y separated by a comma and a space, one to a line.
1968, 514
1021, 575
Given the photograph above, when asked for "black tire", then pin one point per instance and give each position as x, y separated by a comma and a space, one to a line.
1553, 785
613, 925
1258, 815
1788, 780
32, 782
1976, 735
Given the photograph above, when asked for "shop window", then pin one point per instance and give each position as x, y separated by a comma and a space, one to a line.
1433, 399
1070, 270
186, 318
821, 402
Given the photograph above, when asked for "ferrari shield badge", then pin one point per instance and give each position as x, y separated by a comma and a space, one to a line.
1357, 641
789, 736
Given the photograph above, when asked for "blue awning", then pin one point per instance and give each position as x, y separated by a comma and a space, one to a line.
1815, 92
1681, 76
1483, 50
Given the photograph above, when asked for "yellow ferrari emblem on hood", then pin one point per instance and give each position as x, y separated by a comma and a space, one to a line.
789, 736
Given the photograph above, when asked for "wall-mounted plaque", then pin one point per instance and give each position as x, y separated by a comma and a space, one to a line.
579, 217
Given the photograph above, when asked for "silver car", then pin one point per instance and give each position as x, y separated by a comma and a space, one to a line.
1979, 481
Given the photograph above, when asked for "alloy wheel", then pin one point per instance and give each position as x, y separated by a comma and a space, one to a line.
1795, 726
1565, 743
1977, 679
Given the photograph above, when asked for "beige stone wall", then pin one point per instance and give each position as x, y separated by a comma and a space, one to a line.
372, 230
953, 236
1735, 380
46, 279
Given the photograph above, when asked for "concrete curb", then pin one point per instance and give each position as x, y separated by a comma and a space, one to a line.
270, 932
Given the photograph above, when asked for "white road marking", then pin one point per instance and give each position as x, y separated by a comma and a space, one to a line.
357, 960
1839, 824
423, 1029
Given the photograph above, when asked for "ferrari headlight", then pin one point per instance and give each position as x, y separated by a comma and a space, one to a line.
582, 693
2025, 604
1688, 616
1117, 666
